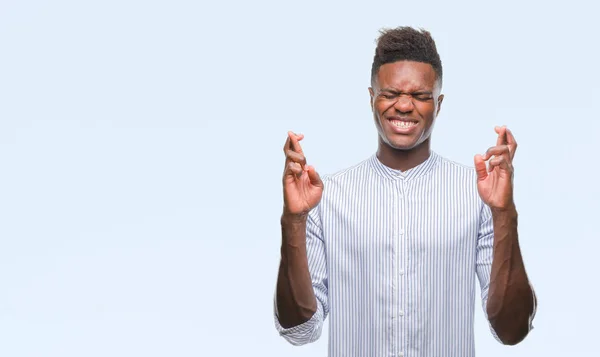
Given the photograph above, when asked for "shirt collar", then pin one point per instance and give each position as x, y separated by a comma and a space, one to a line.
410, 174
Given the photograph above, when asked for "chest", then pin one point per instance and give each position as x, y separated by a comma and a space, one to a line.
437, 221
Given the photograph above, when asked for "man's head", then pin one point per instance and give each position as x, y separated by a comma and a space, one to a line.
406, 81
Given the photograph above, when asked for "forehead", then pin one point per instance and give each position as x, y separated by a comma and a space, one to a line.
406, 75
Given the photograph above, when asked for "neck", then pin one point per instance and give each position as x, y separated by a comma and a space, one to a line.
403, 159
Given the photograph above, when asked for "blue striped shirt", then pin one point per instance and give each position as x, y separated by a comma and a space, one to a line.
393, 258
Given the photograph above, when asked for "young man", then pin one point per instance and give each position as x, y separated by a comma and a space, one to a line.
389, 248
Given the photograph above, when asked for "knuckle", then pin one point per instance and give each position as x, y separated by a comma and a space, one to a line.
292, 155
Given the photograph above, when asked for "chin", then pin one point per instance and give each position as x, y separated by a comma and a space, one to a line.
403, 143
401, 147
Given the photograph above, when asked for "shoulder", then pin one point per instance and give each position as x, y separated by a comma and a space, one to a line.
450, 168
347, 175
336, 185
459, 177
463, 178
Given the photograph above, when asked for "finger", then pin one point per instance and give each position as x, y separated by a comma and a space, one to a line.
496, 151
480, 167
314, 177
499, 161
293, 169
294, 143
296, 157
286, 146
512, 143
291, 134
501, 130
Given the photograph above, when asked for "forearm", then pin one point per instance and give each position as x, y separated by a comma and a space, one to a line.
296, 301
510, 298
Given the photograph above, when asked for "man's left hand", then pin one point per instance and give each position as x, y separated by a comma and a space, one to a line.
495, 182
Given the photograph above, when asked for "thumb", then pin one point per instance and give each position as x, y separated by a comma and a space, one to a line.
313, 176
480, 168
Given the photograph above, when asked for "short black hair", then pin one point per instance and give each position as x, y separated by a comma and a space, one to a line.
406, 44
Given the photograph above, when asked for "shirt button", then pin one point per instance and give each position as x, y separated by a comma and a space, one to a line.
401, 271
401, 354
401, 230
401, 313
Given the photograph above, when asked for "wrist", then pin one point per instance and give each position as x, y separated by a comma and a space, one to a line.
293, 218
508, 210
293, 228
508, 215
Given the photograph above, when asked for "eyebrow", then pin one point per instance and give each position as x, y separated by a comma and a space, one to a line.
392, 90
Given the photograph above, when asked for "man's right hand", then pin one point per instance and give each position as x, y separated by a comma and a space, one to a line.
302, 186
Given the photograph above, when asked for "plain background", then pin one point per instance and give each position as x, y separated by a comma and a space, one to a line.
141, 160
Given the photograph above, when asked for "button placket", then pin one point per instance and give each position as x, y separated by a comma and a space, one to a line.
397, 211
402, 238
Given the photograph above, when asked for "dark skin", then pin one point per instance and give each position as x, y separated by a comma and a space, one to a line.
511, 300
409, 92
302, 190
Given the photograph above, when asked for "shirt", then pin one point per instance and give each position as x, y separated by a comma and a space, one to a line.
393, 258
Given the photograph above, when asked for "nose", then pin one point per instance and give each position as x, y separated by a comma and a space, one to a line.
404, 104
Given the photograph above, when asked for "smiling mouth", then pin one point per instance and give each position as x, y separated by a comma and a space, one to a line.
401, 123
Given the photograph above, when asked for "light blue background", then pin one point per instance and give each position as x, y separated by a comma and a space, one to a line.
141, 160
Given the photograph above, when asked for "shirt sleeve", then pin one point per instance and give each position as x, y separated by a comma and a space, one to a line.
485, 251
310, 331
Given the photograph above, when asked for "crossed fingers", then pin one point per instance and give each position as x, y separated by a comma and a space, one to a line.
295, 161
503, 153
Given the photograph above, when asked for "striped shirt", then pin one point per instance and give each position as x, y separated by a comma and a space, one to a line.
393, 258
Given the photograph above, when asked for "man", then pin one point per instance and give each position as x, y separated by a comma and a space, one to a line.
389, 248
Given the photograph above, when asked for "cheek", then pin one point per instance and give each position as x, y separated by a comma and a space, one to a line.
426, 110
381, 107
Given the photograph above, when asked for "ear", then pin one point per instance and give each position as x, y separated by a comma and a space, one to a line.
439, 104
371, 95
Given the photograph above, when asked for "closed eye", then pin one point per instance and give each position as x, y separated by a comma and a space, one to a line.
388, 95
422, 96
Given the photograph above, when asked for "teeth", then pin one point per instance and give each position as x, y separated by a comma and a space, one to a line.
403, 124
